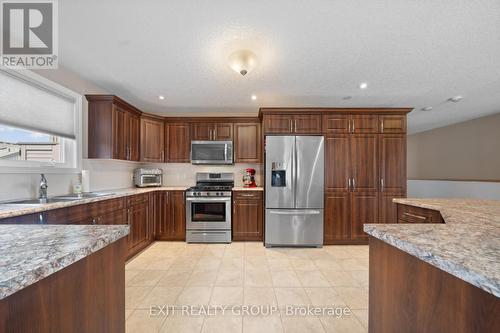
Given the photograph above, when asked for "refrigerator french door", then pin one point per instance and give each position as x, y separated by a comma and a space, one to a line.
294, 190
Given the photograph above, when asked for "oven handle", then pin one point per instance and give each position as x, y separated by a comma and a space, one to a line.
197, 199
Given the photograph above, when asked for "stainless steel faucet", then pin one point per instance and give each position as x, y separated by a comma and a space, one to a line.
42, 190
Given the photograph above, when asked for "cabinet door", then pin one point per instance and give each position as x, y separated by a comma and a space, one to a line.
223, 132
152, 140
388, 210
364, 124
337, 217
120, 141
392, 124
178, 142
247, 220
277, 124
133, 135
336, 124
203, 131
178, 217
247, 143
364, 209
392, 163
364, 162
307, 124
337, 162
138, 220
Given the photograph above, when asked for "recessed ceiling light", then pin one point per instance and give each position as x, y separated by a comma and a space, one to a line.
427, 108
254, 97
346, 98
161, 97
455, 99
363, 85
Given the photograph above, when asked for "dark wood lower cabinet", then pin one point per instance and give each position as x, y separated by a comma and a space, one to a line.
337, 223
138, 219
87, 296
345, 215
388, 210
248, 209
410, 295
171, 221
412, 214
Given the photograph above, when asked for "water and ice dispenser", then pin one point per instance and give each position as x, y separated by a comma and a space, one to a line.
278, 174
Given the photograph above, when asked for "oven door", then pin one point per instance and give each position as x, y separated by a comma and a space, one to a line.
208, 213
211, 152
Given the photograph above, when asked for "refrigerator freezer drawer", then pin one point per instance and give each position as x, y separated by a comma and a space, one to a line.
294, 227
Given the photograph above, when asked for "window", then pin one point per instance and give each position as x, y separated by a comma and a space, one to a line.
39, 122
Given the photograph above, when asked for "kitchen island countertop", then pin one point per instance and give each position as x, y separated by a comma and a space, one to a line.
467, 245
31, 253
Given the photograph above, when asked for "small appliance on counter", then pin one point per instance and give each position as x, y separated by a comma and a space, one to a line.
148, 177
249, 178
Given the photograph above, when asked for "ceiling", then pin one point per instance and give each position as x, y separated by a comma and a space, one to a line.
310, 53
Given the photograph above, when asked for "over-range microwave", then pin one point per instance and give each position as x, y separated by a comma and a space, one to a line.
211, 152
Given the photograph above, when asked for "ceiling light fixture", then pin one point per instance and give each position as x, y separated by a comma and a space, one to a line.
427, 108
455, 99
254, 97
363, 85
242, 61
161, 97
346, 98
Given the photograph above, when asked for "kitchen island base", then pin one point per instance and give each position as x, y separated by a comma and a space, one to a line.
408, 295
87, 296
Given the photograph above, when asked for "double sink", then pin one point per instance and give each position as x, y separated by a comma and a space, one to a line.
62, 198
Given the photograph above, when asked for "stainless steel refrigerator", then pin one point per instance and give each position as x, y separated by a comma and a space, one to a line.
294, 191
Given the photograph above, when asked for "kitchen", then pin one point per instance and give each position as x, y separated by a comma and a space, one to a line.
161, 199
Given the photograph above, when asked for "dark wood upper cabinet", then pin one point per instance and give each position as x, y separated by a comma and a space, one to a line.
177, 142
113, 128
213, 131
337, 163
152, 139
364, 123
203, 131
364, 162
392, 149
336, 124
392, 124
247, 143
223, 132
248, 213
292, 124
337, 224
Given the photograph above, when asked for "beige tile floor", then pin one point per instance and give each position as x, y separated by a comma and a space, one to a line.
246, 274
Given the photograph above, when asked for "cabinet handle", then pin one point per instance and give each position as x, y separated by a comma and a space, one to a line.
382, 184
353, 183
353, 129
349, 126
247, 195
415, 216
348, 183
295, 125
382, 126
291, 126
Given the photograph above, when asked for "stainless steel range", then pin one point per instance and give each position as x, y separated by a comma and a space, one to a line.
208, 208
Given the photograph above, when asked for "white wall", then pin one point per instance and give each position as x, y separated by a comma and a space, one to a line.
453, 189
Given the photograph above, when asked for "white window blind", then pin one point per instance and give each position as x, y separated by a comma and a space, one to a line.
32, 106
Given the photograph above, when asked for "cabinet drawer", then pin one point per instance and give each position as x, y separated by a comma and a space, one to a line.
80, 214
106, 206
411, 214
247, 195
137, 199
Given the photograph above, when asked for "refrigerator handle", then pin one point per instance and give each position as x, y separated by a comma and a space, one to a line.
295, 171
295, 212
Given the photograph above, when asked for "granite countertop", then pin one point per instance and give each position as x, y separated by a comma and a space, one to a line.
467, 245
12, 210
33, 252
258, 188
